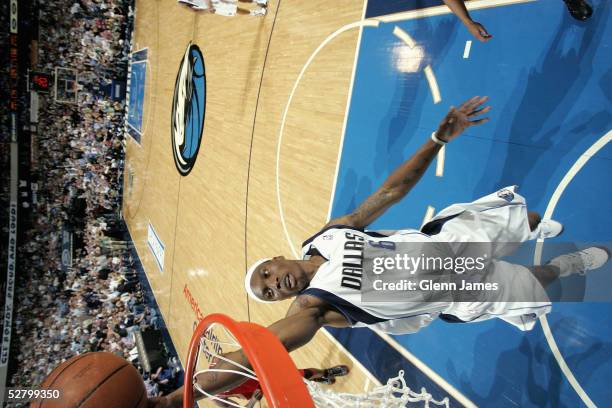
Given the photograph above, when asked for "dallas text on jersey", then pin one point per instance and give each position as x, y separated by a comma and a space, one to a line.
352, 262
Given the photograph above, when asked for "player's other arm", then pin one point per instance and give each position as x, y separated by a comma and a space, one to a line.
293, 331
476, 29
257, 396
405, 177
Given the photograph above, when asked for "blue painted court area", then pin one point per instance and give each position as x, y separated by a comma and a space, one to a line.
549, 79
138, 64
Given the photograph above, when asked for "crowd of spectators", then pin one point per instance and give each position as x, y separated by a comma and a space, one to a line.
4, 148
94, 303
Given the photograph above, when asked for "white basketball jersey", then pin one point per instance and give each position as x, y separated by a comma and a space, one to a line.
499, 219
338, 281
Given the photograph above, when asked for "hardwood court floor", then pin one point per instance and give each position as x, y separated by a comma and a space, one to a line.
240, 203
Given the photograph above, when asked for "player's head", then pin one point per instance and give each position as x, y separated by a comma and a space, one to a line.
272, 279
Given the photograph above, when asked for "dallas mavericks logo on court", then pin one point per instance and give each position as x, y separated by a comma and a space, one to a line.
188, 109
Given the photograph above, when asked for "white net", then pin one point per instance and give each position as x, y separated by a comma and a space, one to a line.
217, 341
394, 394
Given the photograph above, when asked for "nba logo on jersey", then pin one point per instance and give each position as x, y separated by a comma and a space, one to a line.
506, 194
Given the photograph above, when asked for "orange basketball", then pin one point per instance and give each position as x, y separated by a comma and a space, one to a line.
95, 380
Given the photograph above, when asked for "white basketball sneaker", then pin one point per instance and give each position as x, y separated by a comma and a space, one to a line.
262, 3
549, 229
580, 261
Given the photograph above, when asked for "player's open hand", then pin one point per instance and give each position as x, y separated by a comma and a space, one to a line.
479, 31
461, 118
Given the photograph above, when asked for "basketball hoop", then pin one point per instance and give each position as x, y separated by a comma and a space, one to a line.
280, 381
264, 351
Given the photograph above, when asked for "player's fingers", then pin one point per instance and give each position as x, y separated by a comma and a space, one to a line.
477, 103
478, 121
480, 111
466, 105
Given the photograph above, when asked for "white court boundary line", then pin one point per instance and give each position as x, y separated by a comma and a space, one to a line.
440, 10
537, 259
357, 24
370, 378
429, 372
346, 111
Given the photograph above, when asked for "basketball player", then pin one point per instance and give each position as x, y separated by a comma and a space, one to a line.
581, 10
326, 281
476, 29
227, 8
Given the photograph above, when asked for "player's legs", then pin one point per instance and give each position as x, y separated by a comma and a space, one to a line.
337, 371
543, 228
579, 9
257, 396
500, 218
545, 274
534, 220
327, 375
574, 262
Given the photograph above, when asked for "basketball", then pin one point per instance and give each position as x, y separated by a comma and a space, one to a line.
95, 380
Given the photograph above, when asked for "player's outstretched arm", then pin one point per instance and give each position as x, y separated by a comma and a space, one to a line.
405, 177
475, 28
293, 331
257, 396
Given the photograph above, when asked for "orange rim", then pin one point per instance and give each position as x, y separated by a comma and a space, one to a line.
280, 380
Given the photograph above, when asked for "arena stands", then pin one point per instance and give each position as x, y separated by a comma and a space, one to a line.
78, 288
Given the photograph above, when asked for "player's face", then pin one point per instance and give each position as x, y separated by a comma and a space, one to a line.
278, 279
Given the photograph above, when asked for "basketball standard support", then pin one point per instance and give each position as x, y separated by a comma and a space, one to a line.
65, 85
